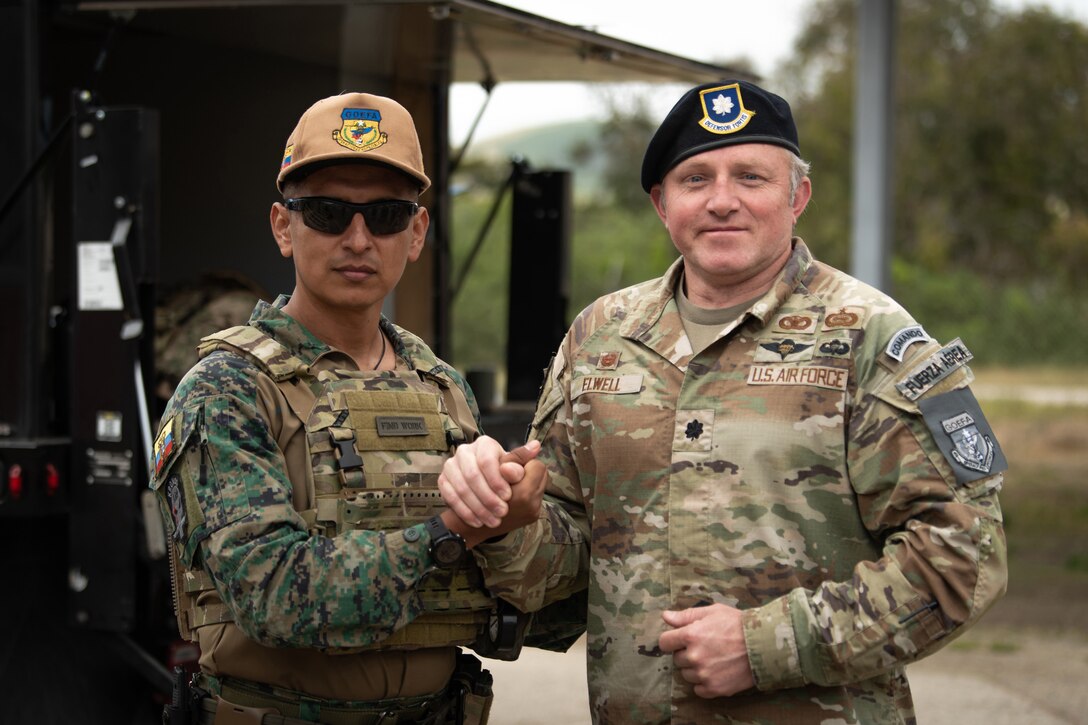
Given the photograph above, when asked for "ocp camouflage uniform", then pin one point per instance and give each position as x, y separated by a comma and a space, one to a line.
822, 466
303, 560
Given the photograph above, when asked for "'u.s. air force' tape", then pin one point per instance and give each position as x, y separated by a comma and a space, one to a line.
963, 435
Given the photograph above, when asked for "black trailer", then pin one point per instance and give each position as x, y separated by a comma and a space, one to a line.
138, 137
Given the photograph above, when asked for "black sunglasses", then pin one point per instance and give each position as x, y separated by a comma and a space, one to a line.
333, 216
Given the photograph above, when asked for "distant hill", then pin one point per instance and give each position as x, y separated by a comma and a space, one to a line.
548, 147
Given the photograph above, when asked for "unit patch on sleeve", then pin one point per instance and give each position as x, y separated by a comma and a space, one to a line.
176, 500
164, 445
897, 346
933, 369
963, 435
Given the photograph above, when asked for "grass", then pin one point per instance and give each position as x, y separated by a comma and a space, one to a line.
1044, 500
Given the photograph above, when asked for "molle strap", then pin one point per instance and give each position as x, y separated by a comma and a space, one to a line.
457, 408
432, 629
386, 509
191, 614
279, 362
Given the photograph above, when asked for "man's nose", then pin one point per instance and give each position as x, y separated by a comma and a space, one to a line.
723, 197
357, 236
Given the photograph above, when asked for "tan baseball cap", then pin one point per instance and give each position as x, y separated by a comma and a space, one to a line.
354, 127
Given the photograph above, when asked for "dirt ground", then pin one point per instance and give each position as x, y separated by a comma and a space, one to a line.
992, 676
1026, 662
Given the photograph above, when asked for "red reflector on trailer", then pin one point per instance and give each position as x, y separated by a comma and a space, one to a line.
15, 481
52, 479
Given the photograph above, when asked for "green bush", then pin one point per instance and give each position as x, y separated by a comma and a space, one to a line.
1003, 324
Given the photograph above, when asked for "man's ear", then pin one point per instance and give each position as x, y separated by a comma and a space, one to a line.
801, 198
421, 222
657, 196
280, 219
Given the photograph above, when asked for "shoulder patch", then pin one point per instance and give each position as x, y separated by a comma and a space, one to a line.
897, 346
166, 444
963, 435
933, 369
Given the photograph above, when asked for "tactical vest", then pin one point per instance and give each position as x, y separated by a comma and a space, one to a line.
377, 442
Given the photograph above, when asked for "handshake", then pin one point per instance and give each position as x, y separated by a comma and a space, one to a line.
490, 491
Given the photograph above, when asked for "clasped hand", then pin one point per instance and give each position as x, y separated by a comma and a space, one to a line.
491, 490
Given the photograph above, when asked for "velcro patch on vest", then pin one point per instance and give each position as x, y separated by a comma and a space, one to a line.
609, 384
400, 425
368, 407
934, 369
818, 376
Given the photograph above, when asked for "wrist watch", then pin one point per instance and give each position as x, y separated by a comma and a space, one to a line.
447, 548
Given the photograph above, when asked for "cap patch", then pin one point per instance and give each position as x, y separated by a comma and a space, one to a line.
723, 109
287, 153
359, 129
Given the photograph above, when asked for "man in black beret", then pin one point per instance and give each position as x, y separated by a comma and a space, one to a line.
785, 488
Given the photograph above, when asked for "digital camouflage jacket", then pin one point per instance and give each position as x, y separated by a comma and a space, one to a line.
244, 471
822, 466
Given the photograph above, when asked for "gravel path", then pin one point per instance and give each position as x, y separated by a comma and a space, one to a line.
990, 677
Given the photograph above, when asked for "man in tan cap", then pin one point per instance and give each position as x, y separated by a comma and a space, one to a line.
296, 467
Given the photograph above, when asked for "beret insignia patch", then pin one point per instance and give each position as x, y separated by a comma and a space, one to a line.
723, 109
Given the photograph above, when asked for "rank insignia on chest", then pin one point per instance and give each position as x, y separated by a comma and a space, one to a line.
608, 361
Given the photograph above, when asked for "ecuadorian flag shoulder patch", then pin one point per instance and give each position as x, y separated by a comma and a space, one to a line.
165, 445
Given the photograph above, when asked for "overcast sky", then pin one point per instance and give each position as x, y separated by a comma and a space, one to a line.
761, 30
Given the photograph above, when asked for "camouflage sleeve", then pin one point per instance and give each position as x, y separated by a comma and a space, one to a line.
230, 510
932, 500
546, 561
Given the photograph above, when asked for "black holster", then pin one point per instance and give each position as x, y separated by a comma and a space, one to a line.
184, 707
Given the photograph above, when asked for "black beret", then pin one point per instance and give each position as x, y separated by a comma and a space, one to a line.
716, 114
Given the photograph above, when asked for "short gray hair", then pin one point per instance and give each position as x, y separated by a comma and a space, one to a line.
799, 169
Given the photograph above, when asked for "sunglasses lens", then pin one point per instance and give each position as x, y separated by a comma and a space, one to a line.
332, 216
388, 217
326, 215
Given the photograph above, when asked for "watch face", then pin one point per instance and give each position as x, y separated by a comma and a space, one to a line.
448, 551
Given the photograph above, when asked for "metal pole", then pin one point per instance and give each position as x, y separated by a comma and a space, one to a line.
873, 143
